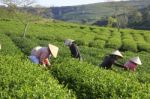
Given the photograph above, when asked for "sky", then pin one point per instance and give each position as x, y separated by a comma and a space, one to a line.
50, 3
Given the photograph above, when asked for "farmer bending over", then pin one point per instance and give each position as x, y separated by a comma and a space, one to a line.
132, 63
41, 55
111, 59
73, 49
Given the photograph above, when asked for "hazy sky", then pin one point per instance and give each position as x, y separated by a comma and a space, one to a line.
68, 2
49, 3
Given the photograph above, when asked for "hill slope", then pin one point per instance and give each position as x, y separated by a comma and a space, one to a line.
77, 76
22, 79
93, 12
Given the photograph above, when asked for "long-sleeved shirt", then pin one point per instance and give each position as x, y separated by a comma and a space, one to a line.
109, 61
130, 65
41, 52
74, 51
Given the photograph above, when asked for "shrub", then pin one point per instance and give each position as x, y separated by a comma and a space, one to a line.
22, 80
8, 47
129, 45
90, 82
147, 36
113, 43
101, 37
80, 42
97, 44
144, 47
25, 44
5, 19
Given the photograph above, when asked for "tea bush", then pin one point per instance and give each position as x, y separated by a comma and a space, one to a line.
141, 43
97, 44
21, 79
147, 36
80, 42
8, 47
24, 44
113, 43
129, 44
90, 82
85, 79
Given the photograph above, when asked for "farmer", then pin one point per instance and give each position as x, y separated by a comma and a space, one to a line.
73, 49
41, 55
111, 59
132, 63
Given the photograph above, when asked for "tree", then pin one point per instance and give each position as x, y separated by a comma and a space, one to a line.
12, 6
111, 22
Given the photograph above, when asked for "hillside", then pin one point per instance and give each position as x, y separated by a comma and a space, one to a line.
93, 12
20, 78
68, 78
141, 19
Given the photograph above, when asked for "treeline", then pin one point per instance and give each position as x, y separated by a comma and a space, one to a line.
139, 19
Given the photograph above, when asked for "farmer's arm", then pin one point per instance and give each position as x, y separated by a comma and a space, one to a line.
42, 58
77, 51
47, 62
119, 65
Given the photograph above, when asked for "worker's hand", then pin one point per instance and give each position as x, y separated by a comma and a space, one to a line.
49, 65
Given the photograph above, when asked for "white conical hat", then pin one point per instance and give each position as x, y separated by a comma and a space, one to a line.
0, 47
68, 41
53, 49
136, 60
117, 52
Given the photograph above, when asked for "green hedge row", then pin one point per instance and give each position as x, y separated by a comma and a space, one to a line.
8, 47
97, 44
141, 43
19, 79
128, 43
25, 44
147, 36
90, 82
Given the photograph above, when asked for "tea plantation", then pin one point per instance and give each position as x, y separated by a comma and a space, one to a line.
69, 78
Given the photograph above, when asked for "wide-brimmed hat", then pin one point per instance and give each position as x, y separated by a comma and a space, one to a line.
54, 49
136, 60
117, 53
68, 41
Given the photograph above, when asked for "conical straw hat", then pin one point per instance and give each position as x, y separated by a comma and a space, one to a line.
53, 49
0, 46
136, 60
117, 52
68, 41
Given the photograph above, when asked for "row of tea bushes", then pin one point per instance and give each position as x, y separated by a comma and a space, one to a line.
90, 82
7, 46
21, 80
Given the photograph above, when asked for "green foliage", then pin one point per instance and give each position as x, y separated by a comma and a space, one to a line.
144, 47
128, 44
80, 42
8, 48
97, 44
86, 79
94, 12
24, 44
21, 79
90, 82
114, 41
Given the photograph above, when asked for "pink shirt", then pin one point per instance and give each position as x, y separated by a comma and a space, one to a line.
130, 65
41, 52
